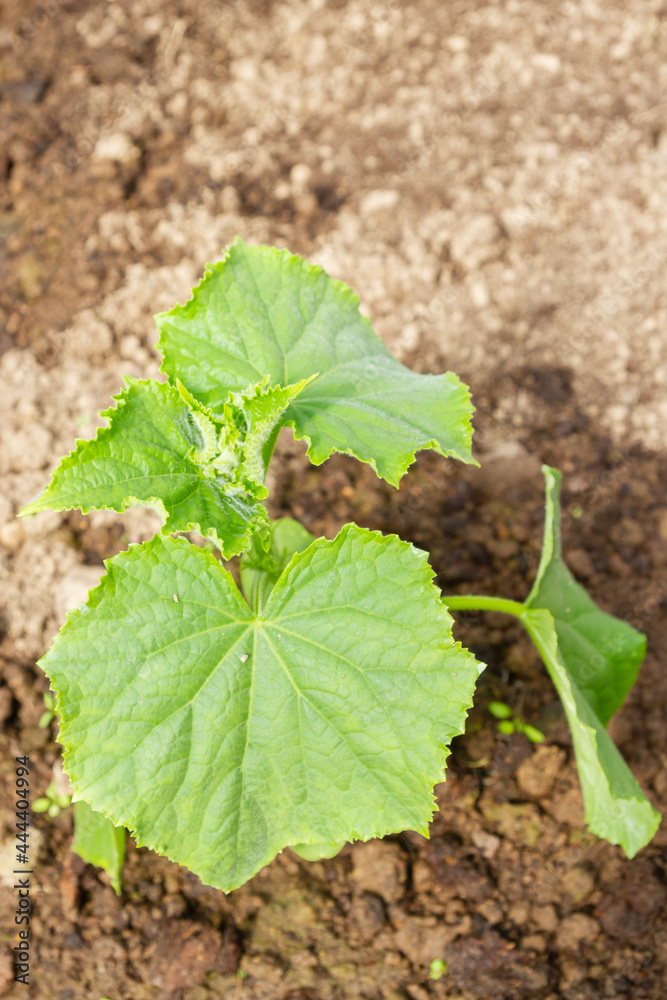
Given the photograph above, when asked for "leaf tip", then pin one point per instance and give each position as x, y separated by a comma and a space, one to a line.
35, 507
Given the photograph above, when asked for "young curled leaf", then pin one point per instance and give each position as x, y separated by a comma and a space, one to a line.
166, 450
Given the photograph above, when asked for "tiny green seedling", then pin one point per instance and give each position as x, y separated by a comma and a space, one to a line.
49, 715
52, 802
511, 722
313, 705
437, 969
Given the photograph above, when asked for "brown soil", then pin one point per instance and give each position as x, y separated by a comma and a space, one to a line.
490, 179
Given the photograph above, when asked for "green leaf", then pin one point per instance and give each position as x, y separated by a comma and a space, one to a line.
219, 737
251, 420
268, 556
263, 406
99, 842
437, 969
602, 653
265, 311
165, 450
533, 734
593, 660
615, 806
499, 709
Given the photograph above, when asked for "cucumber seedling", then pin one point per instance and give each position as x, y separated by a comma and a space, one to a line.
314, 705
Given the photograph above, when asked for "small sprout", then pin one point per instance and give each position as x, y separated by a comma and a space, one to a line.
479, 762
513, 723
50, 713
500, 710
533, 734
52, 802
437, 969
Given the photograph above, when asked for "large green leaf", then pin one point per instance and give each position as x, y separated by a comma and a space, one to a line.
165, 450
99, 842
593, 659
265, 311
615, 806
221, 736
603, 654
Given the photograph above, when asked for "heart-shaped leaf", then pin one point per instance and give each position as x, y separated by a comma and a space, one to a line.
220, 736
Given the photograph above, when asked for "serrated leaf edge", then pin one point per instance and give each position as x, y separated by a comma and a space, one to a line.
405, 460
213, 267
351, 297
152, 503
367, 834
70, 618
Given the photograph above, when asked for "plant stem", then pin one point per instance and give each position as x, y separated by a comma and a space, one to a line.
474, 602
